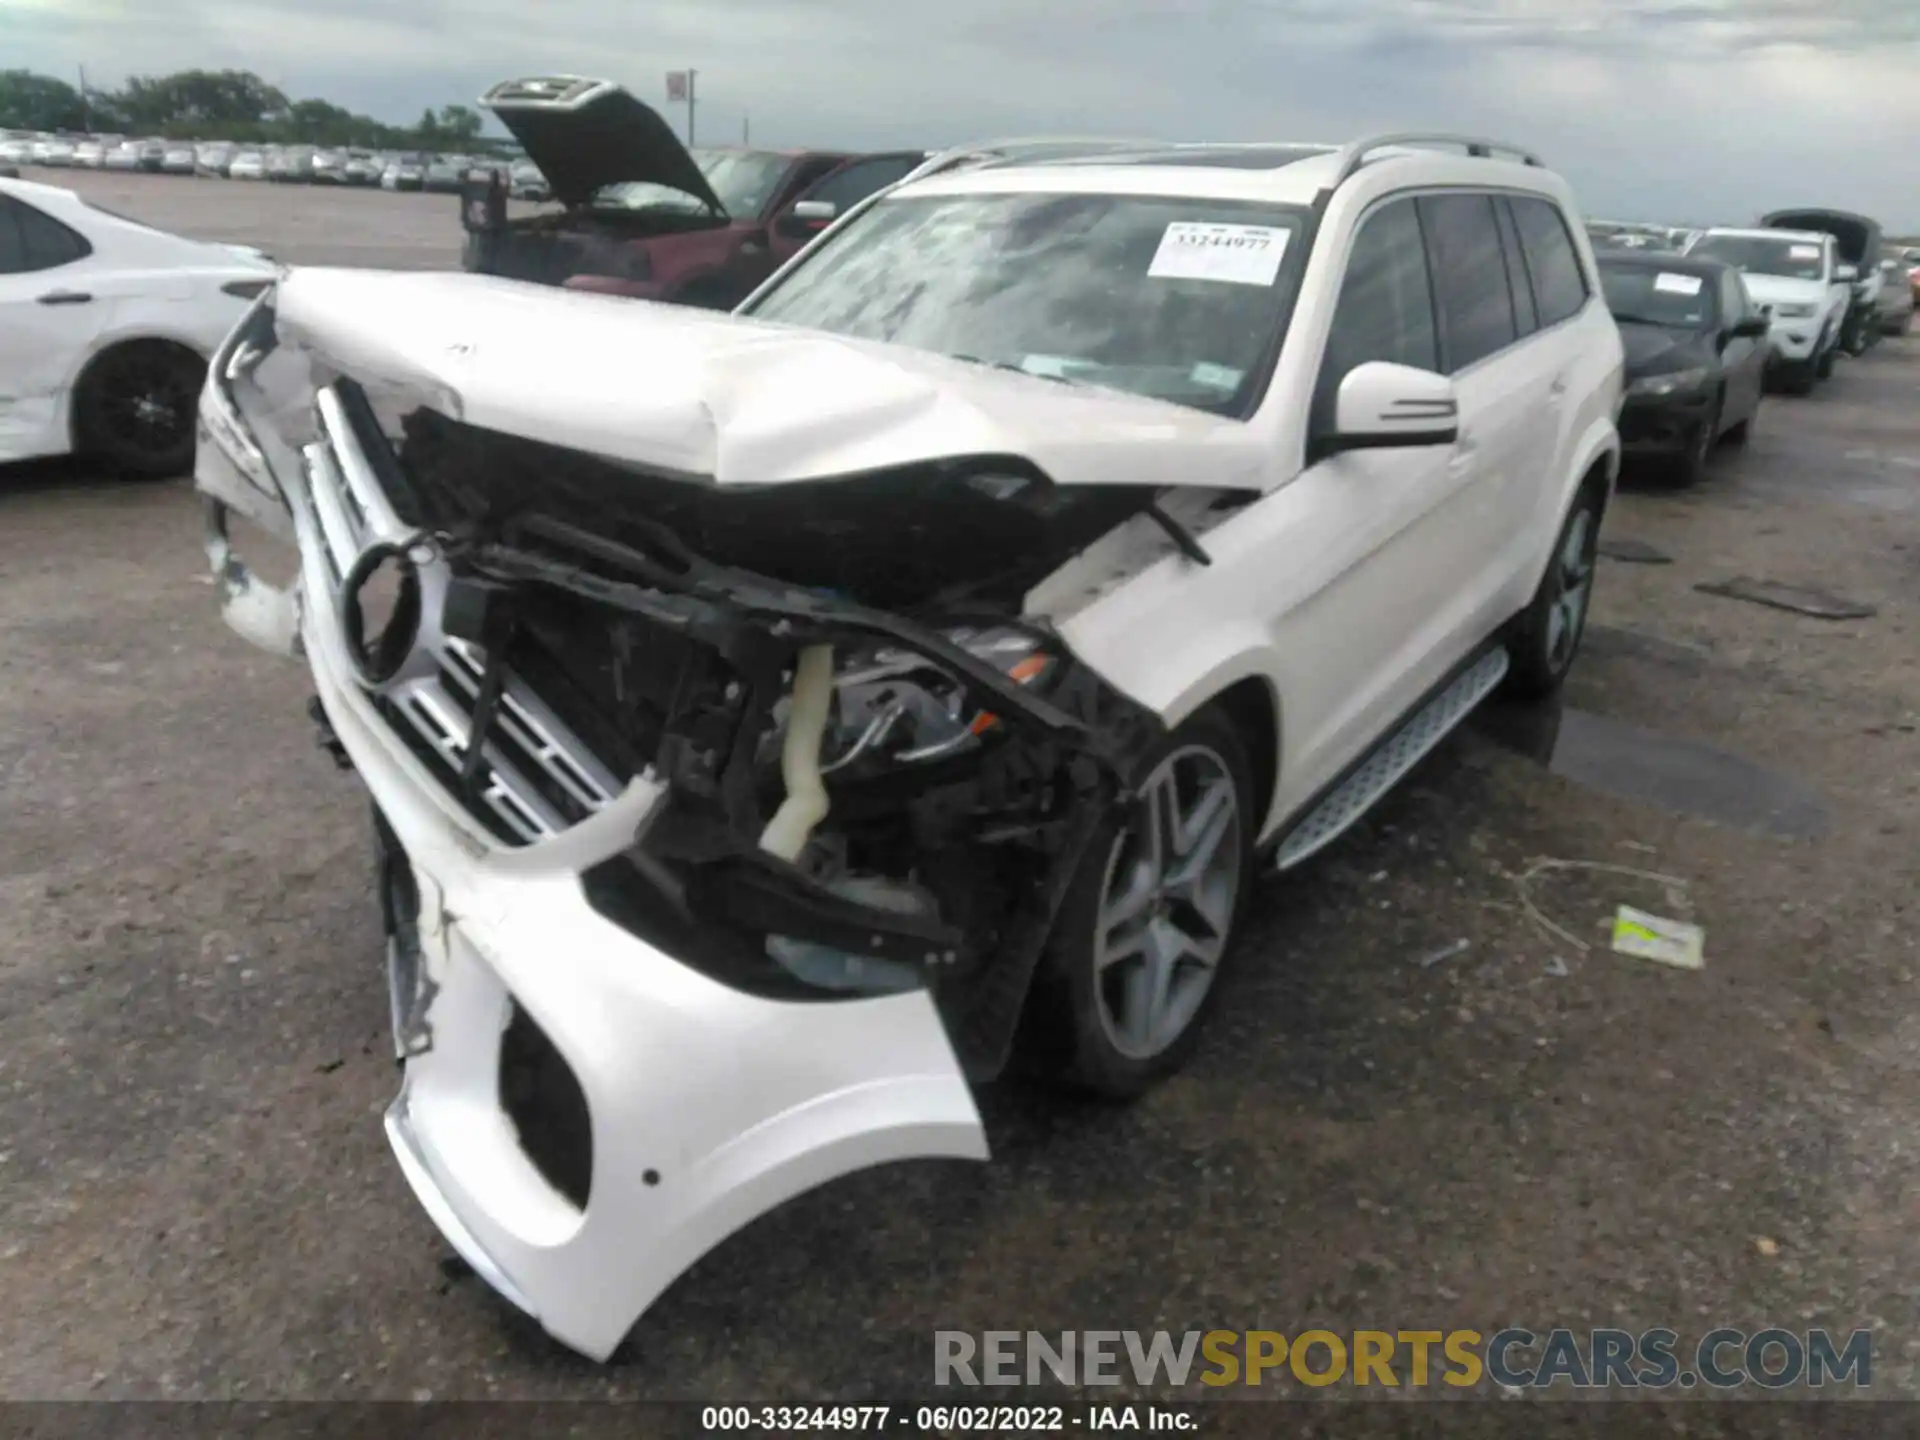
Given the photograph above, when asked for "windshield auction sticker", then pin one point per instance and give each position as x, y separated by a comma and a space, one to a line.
1668, 284
1234, 254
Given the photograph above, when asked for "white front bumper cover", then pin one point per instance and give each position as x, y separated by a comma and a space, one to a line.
708, 1107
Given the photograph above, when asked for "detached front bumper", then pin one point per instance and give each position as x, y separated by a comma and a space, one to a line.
704, 1106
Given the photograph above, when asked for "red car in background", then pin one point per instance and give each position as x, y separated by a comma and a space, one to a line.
642, 215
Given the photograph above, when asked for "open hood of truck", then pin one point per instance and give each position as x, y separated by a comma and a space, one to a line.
1855, 236
734, 401
584, 134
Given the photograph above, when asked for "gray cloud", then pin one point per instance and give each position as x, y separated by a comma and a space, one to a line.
1696, 108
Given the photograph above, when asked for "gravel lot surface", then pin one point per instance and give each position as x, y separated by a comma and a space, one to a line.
196, 1199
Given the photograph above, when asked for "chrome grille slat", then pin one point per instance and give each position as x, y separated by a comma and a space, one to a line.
447, 727
537, 731
324, 484
434, 695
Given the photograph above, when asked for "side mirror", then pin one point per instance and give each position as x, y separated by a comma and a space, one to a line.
1847, 273
806, 219
1753, 327
1383, 406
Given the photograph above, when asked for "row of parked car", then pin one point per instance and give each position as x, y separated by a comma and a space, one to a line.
1709, 317
288, 164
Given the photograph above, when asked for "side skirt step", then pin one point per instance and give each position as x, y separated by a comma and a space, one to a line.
1391, 759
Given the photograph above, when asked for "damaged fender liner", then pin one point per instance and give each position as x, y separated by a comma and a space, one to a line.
1006, 827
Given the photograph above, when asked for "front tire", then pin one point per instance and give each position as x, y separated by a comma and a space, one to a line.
1545, 639
1131, 969
1691, 467
134, 408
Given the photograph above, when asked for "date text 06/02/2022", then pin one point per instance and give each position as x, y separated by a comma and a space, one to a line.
947, 1419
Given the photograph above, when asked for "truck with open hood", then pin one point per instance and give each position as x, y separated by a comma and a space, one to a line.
639, 214
1858, 240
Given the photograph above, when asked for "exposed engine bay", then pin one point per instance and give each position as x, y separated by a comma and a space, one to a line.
550, 248
879, 776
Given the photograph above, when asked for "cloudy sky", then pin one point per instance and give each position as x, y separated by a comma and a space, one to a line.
1683, 109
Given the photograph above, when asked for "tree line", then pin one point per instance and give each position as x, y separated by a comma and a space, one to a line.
220, 105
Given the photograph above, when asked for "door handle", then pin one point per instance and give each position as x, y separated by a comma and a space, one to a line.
66, 297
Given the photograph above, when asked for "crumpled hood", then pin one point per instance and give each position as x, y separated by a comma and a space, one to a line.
732, 400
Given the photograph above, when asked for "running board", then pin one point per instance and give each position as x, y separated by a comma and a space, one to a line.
1392, 759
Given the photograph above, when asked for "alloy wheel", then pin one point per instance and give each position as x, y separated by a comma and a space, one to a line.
147, 401
1171, 891
1571, 579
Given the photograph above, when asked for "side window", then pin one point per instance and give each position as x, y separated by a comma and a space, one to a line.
1559, 285
13, 250
1385, 310
32, 241
797, 181
847, 187
1519, 283
1469, 277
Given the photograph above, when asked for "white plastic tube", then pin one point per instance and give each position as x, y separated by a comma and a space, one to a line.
805, 805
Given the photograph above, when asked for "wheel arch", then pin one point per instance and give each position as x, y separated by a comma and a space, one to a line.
1251, 704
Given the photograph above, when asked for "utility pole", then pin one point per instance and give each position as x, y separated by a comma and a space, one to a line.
690, 75
746, 130
86, 115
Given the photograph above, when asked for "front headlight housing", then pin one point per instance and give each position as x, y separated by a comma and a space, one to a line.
1674, 382
1793, 312
896, 708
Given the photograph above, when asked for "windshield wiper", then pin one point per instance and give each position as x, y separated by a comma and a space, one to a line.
1016, 369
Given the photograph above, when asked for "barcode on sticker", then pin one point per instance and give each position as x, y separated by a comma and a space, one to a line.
1233, 254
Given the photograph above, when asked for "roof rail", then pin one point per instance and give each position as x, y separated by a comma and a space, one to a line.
981, 152
1354, 155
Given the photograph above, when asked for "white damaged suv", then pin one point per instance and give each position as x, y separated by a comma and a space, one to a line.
776, 722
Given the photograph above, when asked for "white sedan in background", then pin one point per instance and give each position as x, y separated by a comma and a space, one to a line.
105, 326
